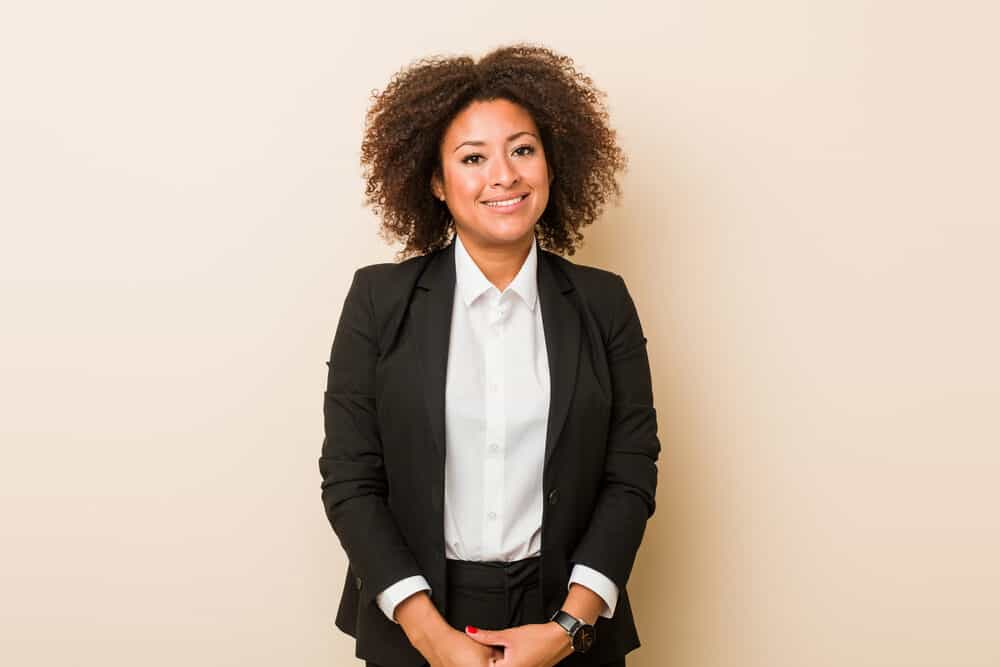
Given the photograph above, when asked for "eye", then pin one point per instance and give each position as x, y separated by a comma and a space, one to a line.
526, 147
466, 159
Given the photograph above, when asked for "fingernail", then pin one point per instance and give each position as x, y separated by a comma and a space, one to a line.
471, 630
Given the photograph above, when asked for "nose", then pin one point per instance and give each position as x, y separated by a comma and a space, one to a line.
504, 174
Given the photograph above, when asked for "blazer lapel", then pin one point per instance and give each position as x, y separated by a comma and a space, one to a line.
561, 323
438, 281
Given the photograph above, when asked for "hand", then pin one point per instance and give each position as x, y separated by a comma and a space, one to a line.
454, 649
534, 645
439, 643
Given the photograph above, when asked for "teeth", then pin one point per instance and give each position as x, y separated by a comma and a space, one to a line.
506, 202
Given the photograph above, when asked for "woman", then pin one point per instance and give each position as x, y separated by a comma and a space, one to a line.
490, 454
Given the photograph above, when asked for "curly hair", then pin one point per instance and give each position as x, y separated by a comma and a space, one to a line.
405, 124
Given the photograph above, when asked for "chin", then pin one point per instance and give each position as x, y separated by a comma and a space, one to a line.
508, 236
509, 231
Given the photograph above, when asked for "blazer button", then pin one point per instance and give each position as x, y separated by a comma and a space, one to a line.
553, 496
357, 583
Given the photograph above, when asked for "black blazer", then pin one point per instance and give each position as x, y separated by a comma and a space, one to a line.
382, 461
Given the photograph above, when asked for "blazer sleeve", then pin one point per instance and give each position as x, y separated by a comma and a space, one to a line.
354, 486
628, 497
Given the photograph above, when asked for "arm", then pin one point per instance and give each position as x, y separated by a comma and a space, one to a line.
391, 597
354, 491
354, 482
597, 583
628, 498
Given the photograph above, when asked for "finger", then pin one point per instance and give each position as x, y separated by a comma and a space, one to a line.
486, 637
499, 658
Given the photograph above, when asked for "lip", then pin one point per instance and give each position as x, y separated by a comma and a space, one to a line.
507, 209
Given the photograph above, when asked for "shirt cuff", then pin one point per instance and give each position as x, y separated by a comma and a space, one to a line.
388, 599
599, 584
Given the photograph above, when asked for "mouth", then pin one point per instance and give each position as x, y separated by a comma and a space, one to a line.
505, 205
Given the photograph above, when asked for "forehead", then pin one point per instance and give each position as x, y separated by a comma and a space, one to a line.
493, 120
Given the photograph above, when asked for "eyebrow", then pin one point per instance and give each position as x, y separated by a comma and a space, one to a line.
476, 142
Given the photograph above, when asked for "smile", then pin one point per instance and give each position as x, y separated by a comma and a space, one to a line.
506, 204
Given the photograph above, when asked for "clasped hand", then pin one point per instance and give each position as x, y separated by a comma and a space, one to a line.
533, 645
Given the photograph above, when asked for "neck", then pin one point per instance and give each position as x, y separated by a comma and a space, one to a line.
501, 262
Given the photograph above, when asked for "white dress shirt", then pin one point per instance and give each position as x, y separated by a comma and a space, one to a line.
496, 414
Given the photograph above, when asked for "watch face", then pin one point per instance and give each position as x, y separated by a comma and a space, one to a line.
583, 639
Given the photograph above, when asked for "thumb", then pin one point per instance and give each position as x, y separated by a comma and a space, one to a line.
486, 637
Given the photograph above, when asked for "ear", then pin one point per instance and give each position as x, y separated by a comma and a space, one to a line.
552, 175
437, 187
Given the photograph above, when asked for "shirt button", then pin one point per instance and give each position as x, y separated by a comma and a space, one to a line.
494, 448
491, 516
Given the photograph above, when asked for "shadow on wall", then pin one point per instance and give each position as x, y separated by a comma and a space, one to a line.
667, 582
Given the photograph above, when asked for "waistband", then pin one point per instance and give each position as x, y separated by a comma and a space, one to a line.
494, 576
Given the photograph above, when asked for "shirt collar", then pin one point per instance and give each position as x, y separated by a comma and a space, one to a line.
471, 283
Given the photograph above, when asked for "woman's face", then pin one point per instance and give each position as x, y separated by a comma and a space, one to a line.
492, 153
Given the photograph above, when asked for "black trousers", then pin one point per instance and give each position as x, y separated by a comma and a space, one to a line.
494, 596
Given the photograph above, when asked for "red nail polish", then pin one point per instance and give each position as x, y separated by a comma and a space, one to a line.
471, 630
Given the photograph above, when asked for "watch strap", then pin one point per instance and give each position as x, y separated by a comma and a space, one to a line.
581, 634
568, 622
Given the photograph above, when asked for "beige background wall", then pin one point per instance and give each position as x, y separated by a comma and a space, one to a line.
810, 229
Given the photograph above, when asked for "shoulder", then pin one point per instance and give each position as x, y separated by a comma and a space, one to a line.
388, 283
382, 275
604, 299
583, 274
602, 290
382, 292
385, 290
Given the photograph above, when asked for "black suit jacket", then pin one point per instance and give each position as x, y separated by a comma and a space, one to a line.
382, 461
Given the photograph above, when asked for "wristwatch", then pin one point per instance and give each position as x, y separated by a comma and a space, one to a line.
581, 634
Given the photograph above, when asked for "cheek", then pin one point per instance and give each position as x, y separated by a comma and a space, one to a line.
540, 182
538, 175
464, 186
